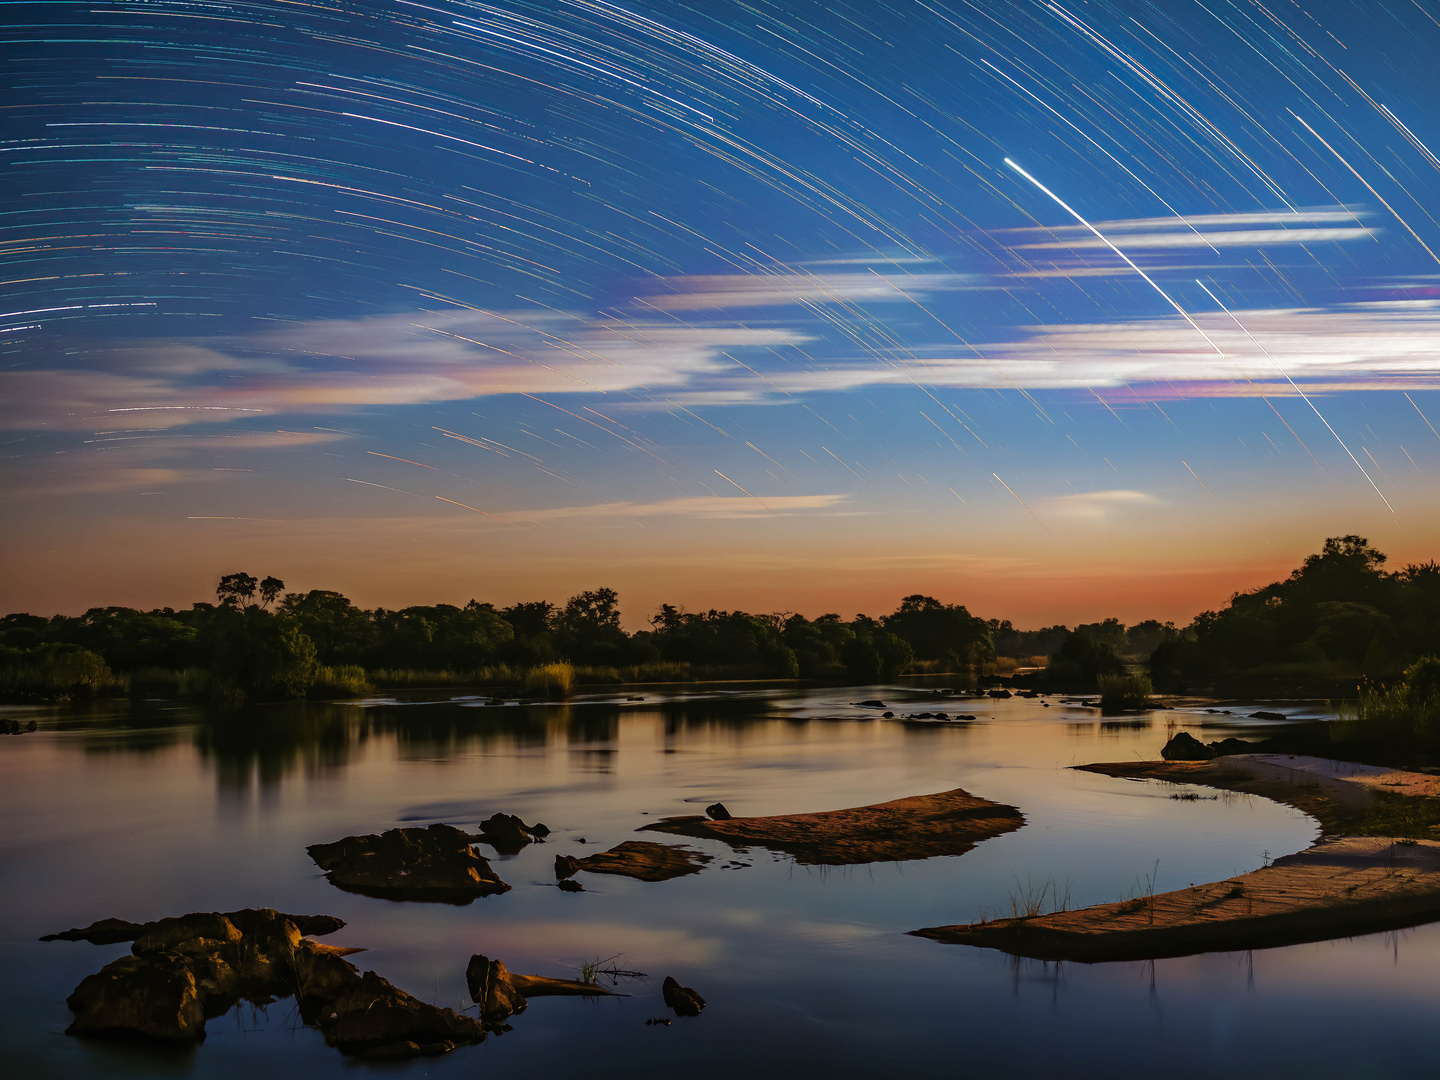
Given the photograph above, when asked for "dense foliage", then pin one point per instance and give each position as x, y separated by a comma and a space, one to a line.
1338, 617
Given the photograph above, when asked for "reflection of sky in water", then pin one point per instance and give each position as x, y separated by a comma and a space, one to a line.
807, 969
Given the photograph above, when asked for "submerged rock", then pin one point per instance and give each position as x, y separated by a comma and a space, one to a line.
646, 861
507, 834
570, 885
436, 864
1185, 747
113, 931
682, 999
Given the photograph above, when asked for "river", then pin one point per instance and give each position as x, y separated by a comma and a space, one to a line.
143, 810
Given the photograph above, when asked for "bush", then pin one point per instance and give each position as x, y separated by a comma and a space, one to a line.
550, 680
344, 680
1119, 693
1405, 716
59, 672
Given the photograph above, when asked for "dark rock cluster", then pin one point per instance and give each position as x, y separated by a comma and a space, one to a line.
185, 970
438, 863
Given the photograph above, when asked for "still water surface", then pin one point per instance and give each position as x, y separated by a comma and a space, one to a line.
153, 810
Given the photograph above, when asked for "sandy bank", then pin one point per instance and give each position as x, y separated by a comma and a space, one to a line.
919, 827
1340, 887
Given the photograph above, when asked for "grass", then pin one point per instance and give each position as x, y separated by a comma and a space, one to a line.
427, 678
1124, 693
1030, 899
344, 680
552, 681
1405, 716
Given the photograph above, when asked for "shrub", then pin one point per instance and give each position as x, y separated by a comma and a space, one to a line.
343, 680
57, 672
1119, 693
1404, 716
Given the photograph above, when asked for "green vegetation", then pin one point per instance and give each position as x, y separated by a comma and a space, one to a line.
57, 672
1338, 618
1404, 715
1121, 693
552, 681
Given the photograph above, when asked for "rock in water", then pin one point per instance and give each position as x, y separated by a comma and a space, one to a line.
142, 997
507, 834
646, 861
193, 966
491, 989
717, 812
565, 866
682, 999
1185, 747
113, 931
570, 885
437, 863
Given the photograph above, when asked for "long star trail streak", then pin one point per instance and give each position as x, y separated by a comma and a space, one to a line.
1305, 397
761, 239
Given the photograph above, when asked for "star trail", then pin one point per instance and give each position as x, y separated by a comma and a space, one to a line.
727, 303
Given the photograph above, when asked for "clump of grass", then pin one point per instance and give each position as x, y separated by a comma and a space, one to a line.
343, 680
1030, 899
550, 680
1123, 693
590, 970
1403, 717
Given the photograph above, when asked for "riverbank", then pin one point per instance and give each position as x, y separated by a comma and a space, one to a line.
1376, 868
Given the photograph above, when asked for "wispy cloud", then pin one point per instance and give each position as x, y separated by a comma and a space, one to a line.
1260, 229
1379, 345
1097, 506
407, 359
721, 291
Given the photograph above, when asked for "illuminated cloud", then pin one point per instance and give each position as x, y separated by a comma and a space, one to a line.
705, 293
1263, 229
410, 359
1097, 506
1371, 346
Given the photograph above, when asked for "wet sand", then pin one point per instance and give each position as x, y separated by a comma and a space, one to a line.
919, 827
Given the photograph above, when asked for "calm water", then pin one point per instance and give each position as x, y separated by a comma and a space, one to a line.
157, 810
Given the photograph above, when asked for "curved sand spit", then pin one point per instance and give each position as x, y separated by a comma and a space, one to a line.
1342, 886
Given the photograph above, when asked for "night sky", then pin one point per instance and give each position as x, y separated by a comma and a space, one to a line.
1056, 310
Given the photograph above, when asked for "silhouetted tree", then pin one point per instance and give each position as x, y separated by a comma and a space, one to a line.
236, 590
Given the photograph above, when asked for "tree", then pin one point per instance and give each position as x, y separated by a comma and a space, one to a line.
236, 590
270, 588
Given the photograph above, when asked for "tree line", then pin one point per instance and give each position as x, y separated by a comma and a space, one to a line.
1337, 618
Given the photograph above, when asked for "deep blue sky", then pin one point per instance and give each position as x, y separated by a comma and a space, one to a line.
725, 304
